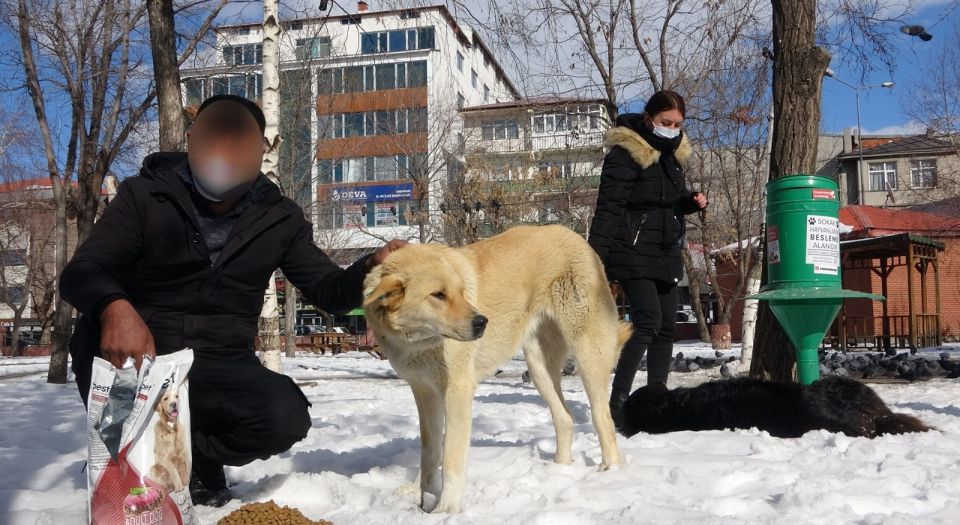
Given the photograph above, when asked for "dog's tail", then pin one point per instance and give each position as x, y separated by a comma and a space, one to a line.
898, 424
623, 333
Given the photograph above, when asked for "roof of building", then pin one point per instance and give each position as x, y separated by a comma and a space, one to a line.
35, 184
871, 221
38, 183
902, 146
457, 29
542, 101
948, 206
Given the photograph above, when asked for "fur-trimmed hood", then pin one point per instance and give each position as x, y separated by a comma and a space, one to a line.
642, 152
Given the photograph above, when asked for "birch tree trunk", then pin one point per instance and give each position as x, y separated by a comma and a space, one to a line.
749, 323
269, 315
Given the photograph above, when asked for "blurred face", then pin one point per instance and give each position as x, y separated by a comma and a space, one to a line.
670, 119
225, 149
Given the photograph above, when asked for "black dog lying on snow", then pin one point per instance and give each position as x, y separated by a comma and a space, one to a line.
835, 404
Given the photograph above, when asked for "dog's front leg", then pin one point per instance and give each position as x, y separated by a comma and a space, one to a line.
430, 410
457, 411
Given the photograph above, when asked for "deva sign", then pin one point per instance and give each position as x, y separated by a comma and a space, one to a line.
379, 193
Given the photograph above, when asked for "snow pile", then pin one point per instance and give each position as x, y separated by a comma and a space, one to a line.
22, 366
363, 450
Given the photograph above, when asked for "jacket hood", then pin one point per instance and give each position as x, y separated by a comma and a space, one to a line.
640, 150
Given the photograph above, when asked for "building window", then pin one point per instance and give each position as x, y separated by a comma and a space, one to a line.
883, 175
195, 89
398, 40
923, 173
500, 129
486, 93
378, 77
13, 295
584, 117
461, 102
417, 120
460, 61
247, 54
563, 169
417, 74
409, 13
13, 257
473, 78
248, 86
371, 123
549, 123
312, 48
350, 20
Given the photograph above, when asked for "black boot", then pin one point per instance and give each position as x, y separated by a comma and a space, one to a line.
617, 399
208, 484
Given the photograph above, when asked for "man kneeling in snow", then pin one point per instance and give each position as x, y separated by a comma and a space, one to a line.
180, 259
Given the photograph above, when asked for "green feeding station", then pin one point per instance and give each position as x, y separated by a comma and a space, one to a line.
803, 264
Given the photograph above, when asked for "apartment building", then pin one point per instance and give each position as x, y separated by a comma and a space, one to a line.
543, 154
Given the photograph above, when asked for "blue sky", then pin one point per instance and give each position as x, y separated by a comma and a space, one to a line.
882, 109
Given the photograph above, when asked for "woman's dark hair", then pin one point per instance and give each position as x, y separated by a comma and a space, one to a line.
665, 101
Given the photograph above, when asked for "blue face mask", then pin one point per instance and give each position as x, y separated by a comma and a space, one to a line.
667, 133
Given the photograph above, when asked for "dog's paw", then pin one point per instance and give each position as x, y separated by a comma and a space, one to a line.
428, 502
446, 506
613, 465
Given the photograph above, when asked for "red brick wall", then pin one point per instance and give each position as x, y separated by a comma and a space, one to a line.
727, 281
949, 261
867, 281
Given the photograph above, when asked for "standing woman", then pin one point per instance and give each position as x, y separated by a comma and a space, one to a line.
638, 229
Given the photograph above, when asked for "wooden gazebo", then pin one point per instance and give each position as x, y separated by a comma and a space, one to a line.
920, 327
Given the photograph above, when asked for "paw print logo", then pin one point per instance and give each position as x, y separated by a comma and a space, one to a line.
811, 221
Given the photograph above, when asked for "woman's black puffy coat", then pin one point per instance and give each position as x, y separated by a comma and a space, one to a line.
638, 227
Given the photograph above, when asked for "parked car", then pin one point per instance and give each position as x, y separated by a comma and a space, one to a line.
685, 314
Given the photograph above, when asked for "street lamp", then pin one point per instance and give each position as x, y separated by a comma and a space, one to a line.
856, 89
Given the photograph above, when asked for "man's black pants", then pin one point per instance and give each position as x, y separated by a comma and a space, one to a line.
239, 410
653, 313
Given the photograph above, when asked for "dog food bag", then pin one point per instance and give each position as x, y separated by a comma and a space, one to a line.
138, 433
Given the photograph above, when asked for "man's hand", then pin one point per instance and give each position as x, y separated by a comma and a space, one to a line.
700, 200
381, 254
124, 334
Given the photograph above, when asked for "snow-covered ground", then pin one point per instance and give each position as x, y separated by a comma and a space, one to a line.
364, 446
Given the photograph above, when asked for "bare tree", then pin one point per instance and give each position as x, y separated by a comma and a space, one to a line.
166, 69
731, 167
86, 53
798, 69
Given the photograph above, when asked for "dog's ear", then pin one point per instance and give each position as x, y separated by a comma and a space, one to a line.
388, 293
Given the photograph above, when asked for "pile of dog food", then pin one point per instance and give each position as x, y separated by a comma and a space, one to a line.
268, 512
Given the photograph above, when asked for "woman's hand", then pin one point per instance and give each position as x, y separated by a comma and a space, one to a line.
700, 200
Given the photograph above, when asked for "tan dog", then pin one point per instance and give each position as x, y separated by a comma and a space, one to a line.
170, 451
446, 318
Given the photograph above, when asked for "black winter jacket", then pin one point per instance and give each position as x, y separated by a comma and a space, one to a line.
147, 247
638, 227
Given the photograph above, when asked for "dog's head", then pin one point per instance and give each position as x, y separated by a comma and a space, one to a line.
423, 292
169, 406
645, 409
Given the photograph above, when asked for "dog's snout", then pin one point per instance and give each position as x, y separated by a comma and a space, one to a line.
479, 325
